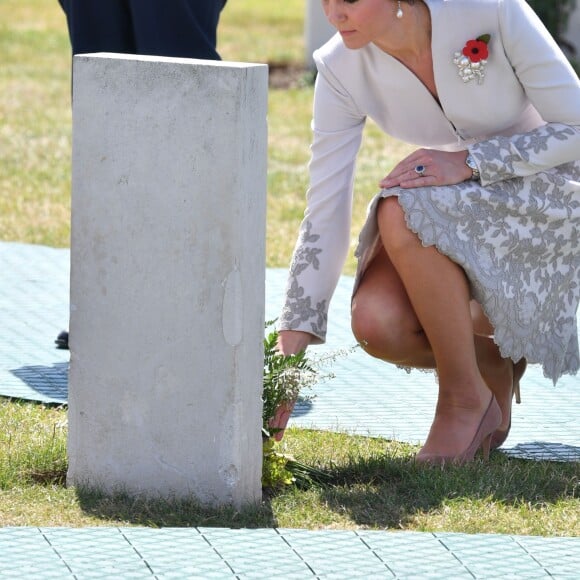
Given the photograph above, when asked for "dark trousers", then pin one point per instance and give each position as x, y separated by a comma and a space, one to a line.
179, 28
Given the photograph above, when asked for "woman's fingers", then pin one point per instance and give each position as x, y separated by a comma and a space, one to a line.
411, 176
428, 167
405, 170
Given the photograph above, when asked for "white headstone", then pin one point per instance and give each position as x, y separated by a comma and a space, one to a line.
573, 31
317, 30
167, 277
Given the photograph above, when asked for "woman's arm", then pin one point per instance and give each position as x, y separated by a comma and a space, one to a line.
324, 237
553, 88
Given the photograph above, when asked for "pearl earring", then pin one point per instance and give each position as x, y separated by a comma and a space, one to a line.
399, 10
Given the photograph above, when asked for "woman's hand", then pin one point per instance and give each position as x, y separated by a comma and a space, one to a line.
439, 168
293, 341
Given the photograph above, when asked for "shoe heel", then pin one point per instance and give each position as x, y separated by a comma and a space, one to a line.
517, 393
486, 446
518, 370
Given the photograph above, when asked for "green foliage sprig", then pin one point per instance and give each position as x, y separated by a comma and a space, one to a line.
284, 381
284, 377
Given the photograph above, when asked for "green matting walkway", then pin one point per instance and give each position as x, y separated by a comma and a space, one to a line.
366, 397
206, 553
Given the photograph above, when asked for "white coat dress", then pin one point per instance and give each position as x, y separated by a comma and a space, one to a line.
516, 232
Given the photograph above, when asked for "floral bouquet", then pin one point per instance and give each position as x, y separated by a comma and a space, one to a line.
285, 379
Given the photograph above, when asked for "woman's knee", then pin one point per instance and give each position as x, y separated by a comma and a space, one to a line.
381, 330
371, 336
382, 318
395, 234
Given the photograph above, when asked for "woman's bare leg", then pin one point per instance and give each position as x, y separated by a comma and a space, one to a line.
439, 294
498, 372
385, 324
383, 320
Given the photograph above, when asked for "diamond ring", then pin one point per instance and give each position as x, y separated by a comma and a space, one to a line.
420, 170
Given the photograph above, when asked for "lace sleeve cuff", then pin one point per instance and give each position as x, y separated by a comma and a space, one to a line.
301, 311
525, 154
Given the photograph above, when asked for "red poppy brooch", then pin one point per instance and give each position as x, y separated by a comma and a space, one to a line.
472, 59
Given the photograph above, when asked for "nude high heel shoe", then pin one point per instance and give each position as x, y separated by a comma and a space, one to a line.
498, 438
489, 423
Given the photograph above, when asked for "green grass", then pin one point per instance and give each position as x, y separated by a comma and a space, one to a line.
372, 483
